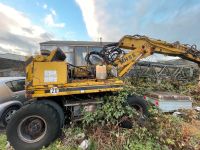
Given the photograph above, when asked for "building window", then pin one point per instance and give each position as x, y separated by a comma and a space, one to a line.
98, 49
67, 49
70, 58
80, 53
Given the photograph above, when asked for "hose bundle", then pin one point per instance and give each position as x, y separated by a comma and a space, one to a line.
107, 55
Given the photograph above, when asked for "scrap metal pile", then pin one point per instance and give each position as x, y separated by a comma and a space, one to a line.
157, 70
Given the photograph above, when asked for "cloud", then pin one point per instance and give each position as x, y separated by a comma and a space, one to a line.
49, 20
90, 17
53, 12
176, 20
45, 6
18, 33
168, 20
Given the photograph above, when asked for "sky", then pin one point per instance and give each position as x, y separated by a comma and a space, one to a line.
26, 23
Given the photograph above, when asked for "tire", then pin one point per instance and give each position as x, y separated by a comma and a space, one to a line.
33, 126
58, 108
139, 104
8, 113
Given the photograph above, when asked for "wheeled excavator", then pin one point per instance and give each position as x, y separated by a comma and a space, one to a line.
59, 90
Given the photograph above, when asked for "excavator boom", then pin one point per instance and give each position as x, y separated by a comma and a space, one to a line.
184, 51
141, 47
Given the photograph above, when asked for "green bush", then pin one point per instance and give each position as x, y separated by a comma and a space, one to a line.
112, 109
160, 131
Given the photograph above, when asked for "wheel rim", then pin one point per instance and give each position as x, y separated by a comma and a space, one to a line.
32, 129
9, 115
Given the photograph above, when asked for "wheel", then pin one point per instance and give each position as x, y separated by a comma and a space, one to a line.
141, 106
57, 108
8, 113
33, 126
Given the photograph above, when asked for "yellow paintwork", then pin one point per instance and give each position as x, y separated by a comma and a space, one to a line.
43, 94
42, 58
40, 67
37, 86
39, 91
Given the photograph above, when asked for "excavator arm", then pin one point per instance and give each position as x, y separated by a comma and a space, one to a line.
141, 47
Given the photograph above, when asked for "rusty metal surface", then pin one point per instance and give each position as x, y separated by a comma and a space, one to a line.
168, 96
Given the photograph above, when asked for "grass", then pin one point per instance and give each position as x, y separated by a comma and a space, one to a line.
3, 141
54, 146
120, 139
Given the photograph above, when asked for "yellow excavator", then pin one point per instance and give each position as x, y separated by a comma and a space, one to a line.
60, 90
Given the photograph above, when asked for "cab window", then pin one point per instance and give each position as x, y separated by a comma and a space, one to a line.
16, 85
